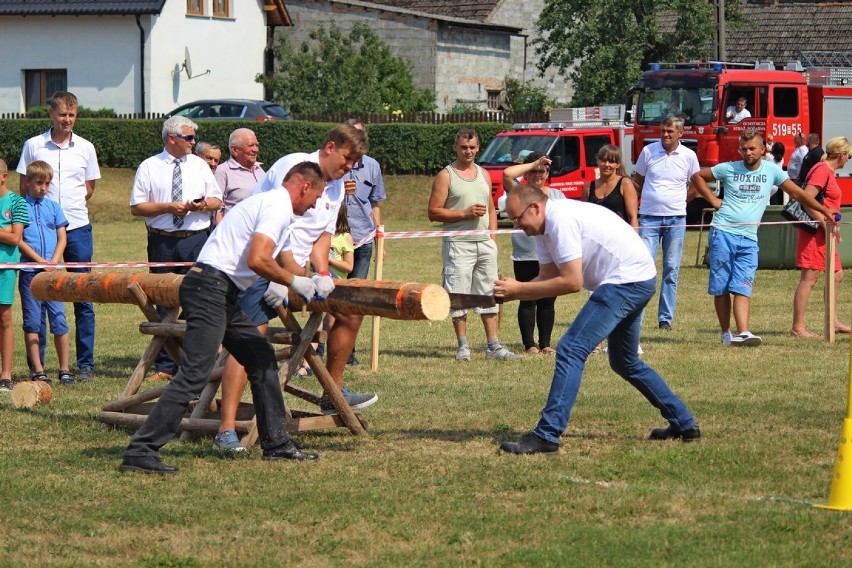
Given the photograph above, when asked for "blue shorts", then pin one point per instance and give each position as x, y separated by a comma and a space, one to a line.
733, 263
7, 286
253, 305
32, 310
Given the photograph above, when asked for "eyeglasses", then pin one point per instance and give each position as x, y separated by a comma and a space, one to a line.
187, 137
514, 220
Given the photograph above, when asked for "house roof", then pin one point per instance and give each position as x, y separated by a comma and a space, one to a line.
781, 32
465, 13
475, 10
78, 7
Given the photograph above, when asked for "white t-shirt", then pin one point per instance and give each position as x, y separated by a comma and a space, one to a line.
153, 184
795, 165
321, 219
666, 179
73, 165
734, 117
611, 250
227, 249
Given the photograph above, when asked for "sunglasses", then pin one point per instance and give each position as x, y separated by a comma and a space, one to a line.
187, 137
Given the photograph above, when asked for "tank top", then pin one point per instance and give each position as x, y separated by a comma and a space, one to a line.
614, 201
463, 193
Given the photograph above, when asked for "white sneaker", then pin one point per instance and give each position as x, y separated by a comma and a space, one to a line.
640, 351
746, 339
463, 354
500, 354
727, 336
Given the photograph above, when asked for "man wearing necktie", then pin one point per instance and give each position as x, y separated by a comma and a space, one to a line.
176, 192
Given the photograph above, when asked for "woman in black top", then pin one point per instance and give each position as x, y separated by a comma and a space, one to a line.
614, 189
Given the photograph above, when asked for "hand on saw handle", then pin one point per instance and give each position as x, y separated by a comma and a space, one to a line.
324, 285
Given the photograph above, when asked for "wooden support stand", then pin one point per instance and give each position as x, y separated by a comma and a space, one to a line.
133, 407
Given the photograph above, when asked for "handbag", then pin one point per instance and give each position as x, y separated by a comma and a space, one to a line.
793, 211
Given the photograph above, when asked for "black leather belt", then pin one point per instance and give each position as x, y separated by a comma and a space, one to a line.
175, 234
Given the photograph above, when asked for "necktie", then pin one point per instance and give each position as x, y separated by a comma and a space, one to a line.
177, 192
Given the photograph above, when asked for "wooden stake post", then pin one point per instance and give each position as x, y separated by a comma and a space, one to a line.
398, 300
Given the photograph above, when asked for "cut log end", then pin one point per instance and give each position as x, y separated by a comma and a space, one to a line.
435, 303
32, 393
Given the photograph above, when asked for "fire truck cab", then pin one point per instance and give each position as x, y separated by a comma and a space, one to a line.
572, 140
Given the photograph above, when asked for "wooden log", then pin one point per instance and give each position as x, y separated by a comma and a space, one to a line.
31, 393
395, 300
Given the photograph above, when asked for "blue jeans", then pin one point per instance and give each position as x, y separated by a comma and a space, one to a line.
669, 230
79, 248
209, 300
613, 311
33, 310
361, 265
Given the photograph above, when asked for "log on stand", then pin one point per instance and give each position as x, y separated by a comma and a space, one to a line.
394, 300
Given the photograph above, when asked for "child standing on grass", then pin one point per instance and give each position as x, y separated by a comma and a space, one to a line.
44, 243
13, 219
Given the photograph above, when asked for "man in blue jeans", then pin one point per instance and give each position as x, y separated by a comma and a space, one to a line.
663, 172
581, 245
75, 171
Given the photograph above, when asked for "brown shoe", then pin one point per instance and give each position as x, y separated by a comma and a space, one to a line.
159, 376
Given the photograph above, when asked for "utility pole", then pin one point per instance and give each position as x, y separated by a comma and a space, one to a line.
721, 49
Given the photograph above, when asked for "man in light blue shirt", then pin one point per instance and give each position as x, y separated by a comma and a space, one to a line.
733, 235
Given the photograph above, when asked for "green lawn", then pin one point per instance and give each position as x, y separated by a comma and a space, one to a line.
427, 487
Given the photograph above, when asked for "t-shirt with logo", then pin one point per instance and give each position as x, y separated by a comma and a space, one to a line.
13, 211
746, 195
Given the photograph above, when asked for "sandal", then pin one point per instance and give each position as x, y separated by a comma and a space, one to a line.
533, 351
804, 334
548, 350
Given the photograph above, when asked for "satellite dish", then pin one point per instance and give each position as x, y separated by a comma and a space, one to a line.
187, 65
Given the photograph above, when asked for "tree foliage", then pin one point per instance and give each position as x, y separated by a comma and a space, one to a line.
525, 97
603, 46
333, 72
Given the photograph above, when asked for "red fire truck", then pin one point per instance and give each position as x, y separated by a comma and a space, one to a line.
781, 102
571, 139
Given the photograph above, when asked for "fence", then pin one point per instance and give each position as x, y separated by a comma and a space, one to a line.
369, 118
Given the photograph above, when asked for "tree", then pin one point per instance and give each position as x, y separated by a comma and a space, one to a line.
332, 73
525, 97
603, 46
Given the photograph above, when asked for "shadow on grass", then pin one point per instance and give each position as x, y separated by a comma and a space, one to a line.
500, 435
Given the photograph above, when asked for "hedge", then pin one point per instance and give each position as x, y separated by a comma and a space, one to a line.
399, 148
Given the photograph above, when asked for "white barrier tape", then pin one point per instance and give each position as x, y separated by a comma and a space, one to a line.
368, 238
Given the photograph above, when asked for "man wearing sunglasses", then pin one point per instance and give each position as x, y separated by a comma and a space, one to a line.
176, 192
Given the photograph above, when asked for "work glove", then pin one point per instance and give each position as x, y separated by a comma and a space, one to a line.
324, 284
304, 287
276, 294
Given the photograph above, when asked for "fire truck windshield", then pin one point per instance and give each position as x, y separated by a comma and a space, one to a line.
513, 149
694, 105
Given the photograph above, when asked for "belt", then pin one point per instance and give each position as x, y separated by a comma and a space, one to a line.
200, 266
176, 234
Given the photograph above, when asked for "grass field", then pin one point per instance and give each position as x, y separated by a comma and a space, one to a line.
427, 486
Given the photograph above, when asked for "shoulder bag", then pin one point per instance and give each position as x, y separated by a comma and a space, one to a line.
793, 210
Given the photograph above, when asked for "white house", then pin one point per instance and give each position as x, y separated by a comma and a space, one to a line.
134, 56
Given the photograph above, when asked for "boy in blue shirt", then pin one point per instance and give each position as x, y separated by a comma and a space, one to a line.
43, 243
13, 219
733, 234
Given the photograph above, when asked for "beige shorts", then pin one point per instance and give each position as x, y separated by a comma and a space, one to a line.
470, 268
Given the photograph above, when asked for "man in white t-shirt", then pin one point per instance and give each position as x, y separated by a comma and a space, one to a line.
663, 171
795, 163
736, 113
245, 245
582, 245
309, 242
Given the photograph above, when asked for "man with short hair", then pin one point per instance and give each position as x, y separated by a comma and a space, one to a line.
662, 173
241, 172
733, 234
582, 245
801, 150
246, 244
75, 166
811, 159
175, 191
210, 152
309, 242
738, 112
461, 200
